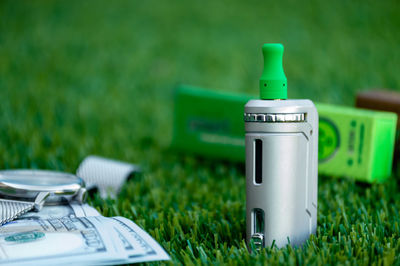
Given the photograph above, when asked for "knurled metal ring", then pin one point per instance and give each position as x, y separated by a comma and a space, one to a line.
275, 118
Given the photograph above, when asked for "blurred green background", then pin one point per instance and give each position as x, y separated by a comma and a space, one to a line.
97, 77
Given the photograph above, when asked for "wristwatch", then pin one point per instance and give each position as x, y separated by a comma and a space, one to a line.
25, 190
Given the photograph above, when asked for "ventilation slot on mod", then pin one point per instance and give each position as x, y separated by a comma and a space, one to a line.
259, 217
258, 161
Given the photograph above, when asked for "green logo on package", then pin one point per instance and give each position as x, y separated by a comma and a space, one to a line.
24, 237
328, 140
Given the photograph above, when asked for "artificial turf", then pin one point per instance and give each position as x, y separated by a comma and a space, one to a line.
97, 77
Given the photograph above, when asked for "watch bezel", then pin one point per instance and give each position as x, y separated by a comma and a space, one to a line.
65, 190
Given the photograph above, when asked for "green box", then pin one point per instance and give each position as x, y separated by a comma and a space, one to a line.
353, 143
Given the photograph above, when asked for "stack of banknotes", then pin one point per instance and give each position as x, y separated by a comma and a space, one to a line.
75, 234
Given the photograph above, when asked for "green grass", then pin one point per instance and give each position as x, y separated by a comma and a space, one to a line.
95, 77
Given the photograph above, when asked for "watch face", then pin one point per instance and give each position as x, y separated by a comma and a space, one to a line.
27, 183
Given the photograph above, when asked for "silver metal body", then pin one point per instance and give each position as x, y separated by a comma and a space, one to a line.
281, 171
25, 190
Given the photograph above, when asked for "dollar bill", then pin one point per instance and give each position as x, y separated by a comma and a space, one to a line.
75, 234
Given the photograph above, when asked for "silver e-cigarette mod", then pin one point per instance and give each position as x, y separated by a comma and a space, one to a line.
281, 161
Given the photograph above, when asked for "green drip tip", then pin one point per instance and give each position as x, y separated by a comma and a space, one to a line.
273, 82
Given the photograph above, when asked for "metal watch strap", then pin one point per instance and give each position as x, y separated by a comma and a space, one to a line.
108, 176
11, 209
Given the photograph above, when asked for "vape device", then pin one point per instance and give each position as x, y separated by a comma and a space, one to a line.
281, 144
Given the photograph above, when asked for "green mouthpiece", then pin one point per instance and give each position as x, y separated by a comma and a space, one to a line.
273, 82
